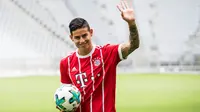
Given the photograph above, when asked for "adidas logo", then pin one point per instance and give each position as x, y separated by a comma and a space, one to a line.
74, 69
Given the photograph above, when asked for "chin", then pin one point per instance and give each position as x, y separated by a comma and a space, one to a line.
82, 47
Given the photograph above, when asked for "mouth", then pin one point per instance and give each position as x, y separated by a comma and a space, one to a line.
82, 45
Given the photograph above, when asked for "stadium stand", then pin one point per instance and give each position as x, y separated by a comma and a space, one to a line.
38, 47
34, 35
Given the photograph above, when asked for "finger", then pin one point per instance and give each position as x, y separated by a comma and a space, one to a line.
58, 108
122, 5
126, 4
120, 8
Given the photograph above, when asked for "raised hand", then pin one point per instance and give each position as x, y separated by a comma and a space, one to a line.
127, 12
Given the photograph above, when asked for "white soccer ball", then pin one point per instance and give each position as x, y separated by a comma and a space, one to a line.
67, 98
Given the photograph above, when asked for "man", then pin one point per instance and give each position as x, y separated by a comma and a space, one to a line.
92, 68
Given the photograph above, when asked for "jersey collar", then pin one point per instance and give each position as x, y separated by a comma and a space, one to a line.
85, 56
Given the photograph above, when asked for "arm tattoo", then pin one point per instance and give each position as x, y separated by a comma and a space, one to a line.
133, 38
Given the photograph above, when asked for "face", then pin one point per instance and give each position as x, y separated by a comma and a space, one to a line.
82, 38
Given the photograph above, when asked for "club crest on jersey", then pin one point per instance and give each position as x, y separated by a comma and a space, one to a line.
97, 62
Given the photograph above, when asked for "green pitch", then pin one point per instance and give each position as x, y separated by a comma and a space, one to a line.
135, 93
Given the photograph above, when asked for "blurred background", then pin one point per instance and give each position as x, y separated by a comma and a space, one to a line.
162, 75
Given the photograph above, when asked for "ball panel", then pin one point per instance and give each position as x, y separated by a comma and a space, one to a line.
67, 97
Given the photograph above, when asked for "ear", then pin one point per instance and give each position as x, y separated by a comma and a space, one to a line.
91, 32
71, 37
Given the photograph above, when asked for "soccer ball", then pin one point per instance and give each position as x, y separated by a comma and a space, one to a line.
67, 98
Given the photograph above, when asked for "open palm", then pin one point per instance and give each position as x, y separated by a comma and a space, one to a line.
126, 12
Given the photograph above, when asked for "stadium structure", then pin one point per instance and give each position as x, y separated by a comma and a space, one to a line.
34, 34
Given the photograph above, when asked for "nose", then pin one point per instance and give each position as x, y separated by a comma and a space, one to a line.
81, 40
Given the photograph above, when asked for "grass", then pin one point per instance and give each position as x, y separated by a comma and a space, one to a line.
135, 93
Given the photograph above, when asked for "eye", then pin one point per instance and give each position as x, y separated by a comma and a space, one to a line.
77, 37
85, 35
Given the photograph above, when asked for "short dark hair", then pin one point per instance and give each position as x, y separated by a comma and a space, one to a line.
78, 23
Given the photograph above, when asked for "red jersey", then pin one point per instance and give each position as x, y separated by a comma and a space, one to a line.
94, 75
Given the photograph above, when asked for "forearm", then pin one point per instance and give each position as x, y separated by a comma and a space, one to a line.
133, 42
133, 37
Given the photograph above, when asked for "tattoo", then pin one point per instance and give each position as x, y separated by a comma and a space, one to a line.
133, 38
133, 43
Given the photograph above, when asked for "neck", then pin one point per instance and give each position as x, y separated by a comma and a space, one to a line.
84, 51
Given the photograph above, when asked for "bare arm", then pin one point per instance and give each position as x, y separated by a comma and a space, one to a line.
133, 42
128, 16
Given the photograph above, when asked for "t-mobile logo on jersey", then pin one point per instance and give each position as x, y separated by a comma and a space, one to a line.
81, 79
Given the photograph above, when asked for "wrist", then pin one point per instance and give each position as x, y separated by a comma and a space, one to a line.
131, 23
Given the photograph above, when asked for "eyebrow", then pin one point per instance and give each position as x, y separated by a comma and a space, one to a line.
81, 35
